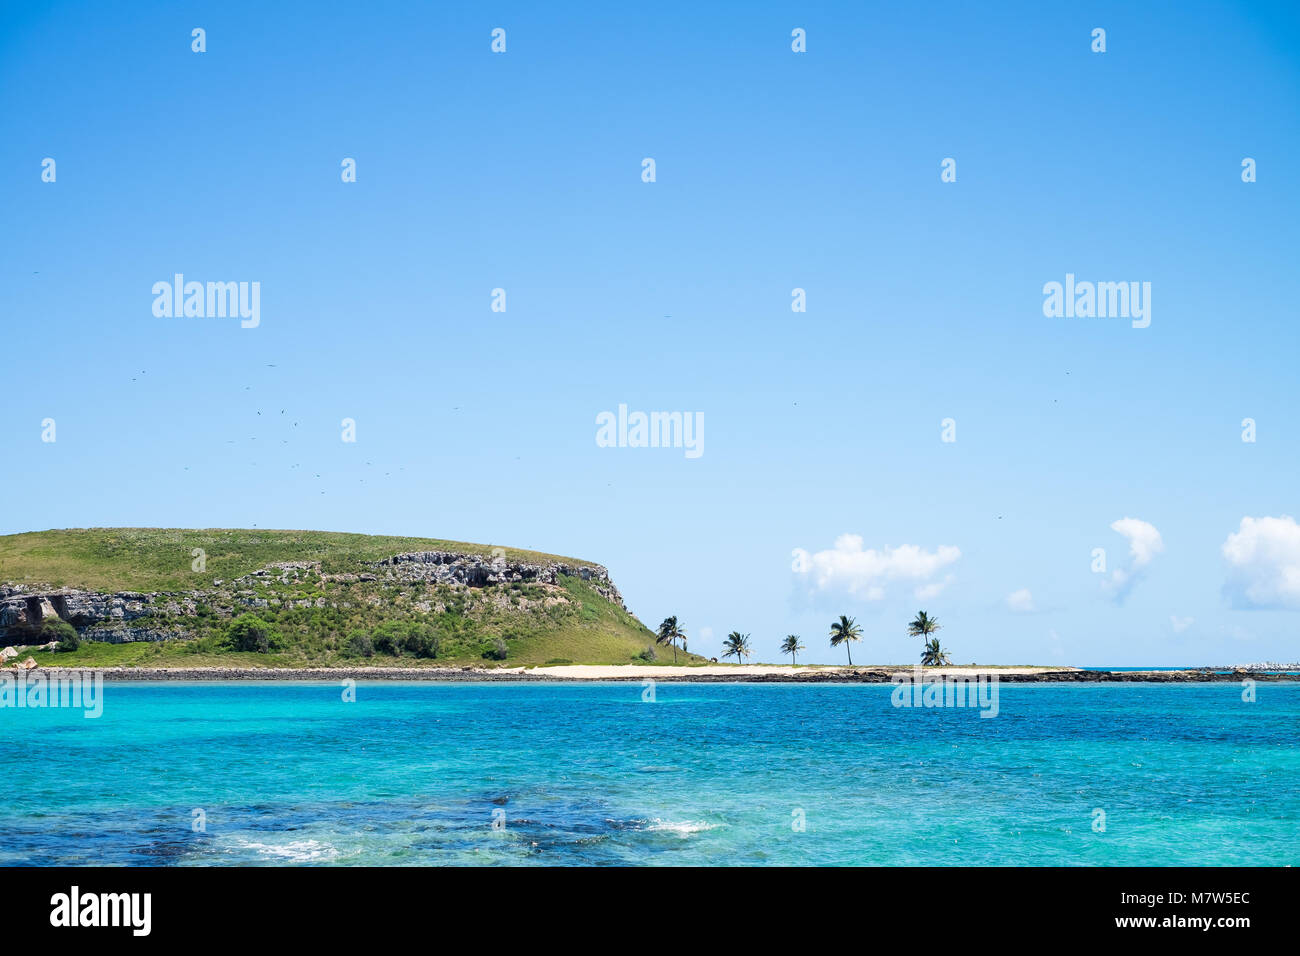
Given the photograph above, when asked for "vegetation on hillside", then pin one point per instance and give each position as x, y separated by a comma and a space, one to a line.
382, 624
341, 613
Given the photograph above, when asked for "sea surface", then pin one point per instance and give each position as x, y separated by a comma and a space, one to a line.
566, 774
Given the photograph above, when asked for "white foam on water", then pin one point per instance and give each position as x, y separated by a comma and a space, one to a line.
296, 851
683, 829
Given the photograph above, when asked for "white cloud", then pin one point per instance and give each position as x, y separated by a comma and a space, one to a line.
1022, 602
1264, 559
1144, 543
1181, 624
927, 591
851, 569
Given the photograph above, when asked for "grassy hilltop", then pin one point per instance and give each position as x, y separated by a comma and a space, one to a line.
159, 559
341, 611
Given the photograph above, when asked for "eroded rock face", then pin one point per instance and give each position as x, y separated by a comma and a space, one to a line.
83, 608
129, 634
449, 567
22, 610
13, 614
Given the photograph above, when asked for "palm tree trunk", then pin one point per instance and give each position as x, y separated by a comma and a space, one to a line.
674, 652
850, 650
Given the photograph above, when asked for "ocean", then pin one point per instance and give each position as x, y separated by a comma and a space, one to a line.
591, 774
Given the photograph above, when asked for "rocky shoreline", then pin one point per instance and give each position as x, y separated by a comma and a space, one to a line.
679, 675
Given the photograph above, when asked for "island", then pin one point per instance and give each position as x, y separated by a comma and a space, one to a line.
240, 604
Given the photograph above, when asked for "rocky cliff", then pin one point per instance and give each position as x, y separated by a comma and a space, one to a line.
132, 616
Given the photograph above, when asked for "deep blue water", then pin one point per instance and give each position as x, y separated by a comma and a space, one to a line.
705, 774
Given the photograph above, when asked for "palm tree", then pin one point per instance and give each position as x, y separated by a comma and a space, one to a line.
670, 632
922, 626
934, 654
737, 644
791, 647
844, 631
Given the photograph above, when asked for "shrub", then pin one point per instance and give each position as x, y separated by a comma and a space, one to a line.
61, 631
422, 642
360, 645
390, 638
648, 655
387, 644
412, 637
496, 651
248, 632
210, 644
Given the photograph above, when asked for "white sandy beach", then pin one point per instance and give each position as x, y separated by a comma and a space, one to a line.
668, 672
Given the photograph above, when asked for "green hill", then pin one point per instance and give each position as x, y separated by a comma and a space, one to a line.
160, 559
251, 597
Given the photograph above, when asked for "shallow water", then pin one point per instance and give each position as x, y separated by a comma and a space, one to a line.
706, 774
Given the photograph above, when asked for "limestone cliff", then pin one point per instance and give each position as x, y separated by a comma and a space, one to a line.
132, 616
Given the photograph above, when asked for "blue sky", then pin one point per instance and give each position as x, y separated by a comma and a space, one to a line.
774, 170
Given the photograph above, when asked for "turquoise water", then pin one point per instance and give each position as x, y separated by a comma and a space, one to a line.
706, 774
